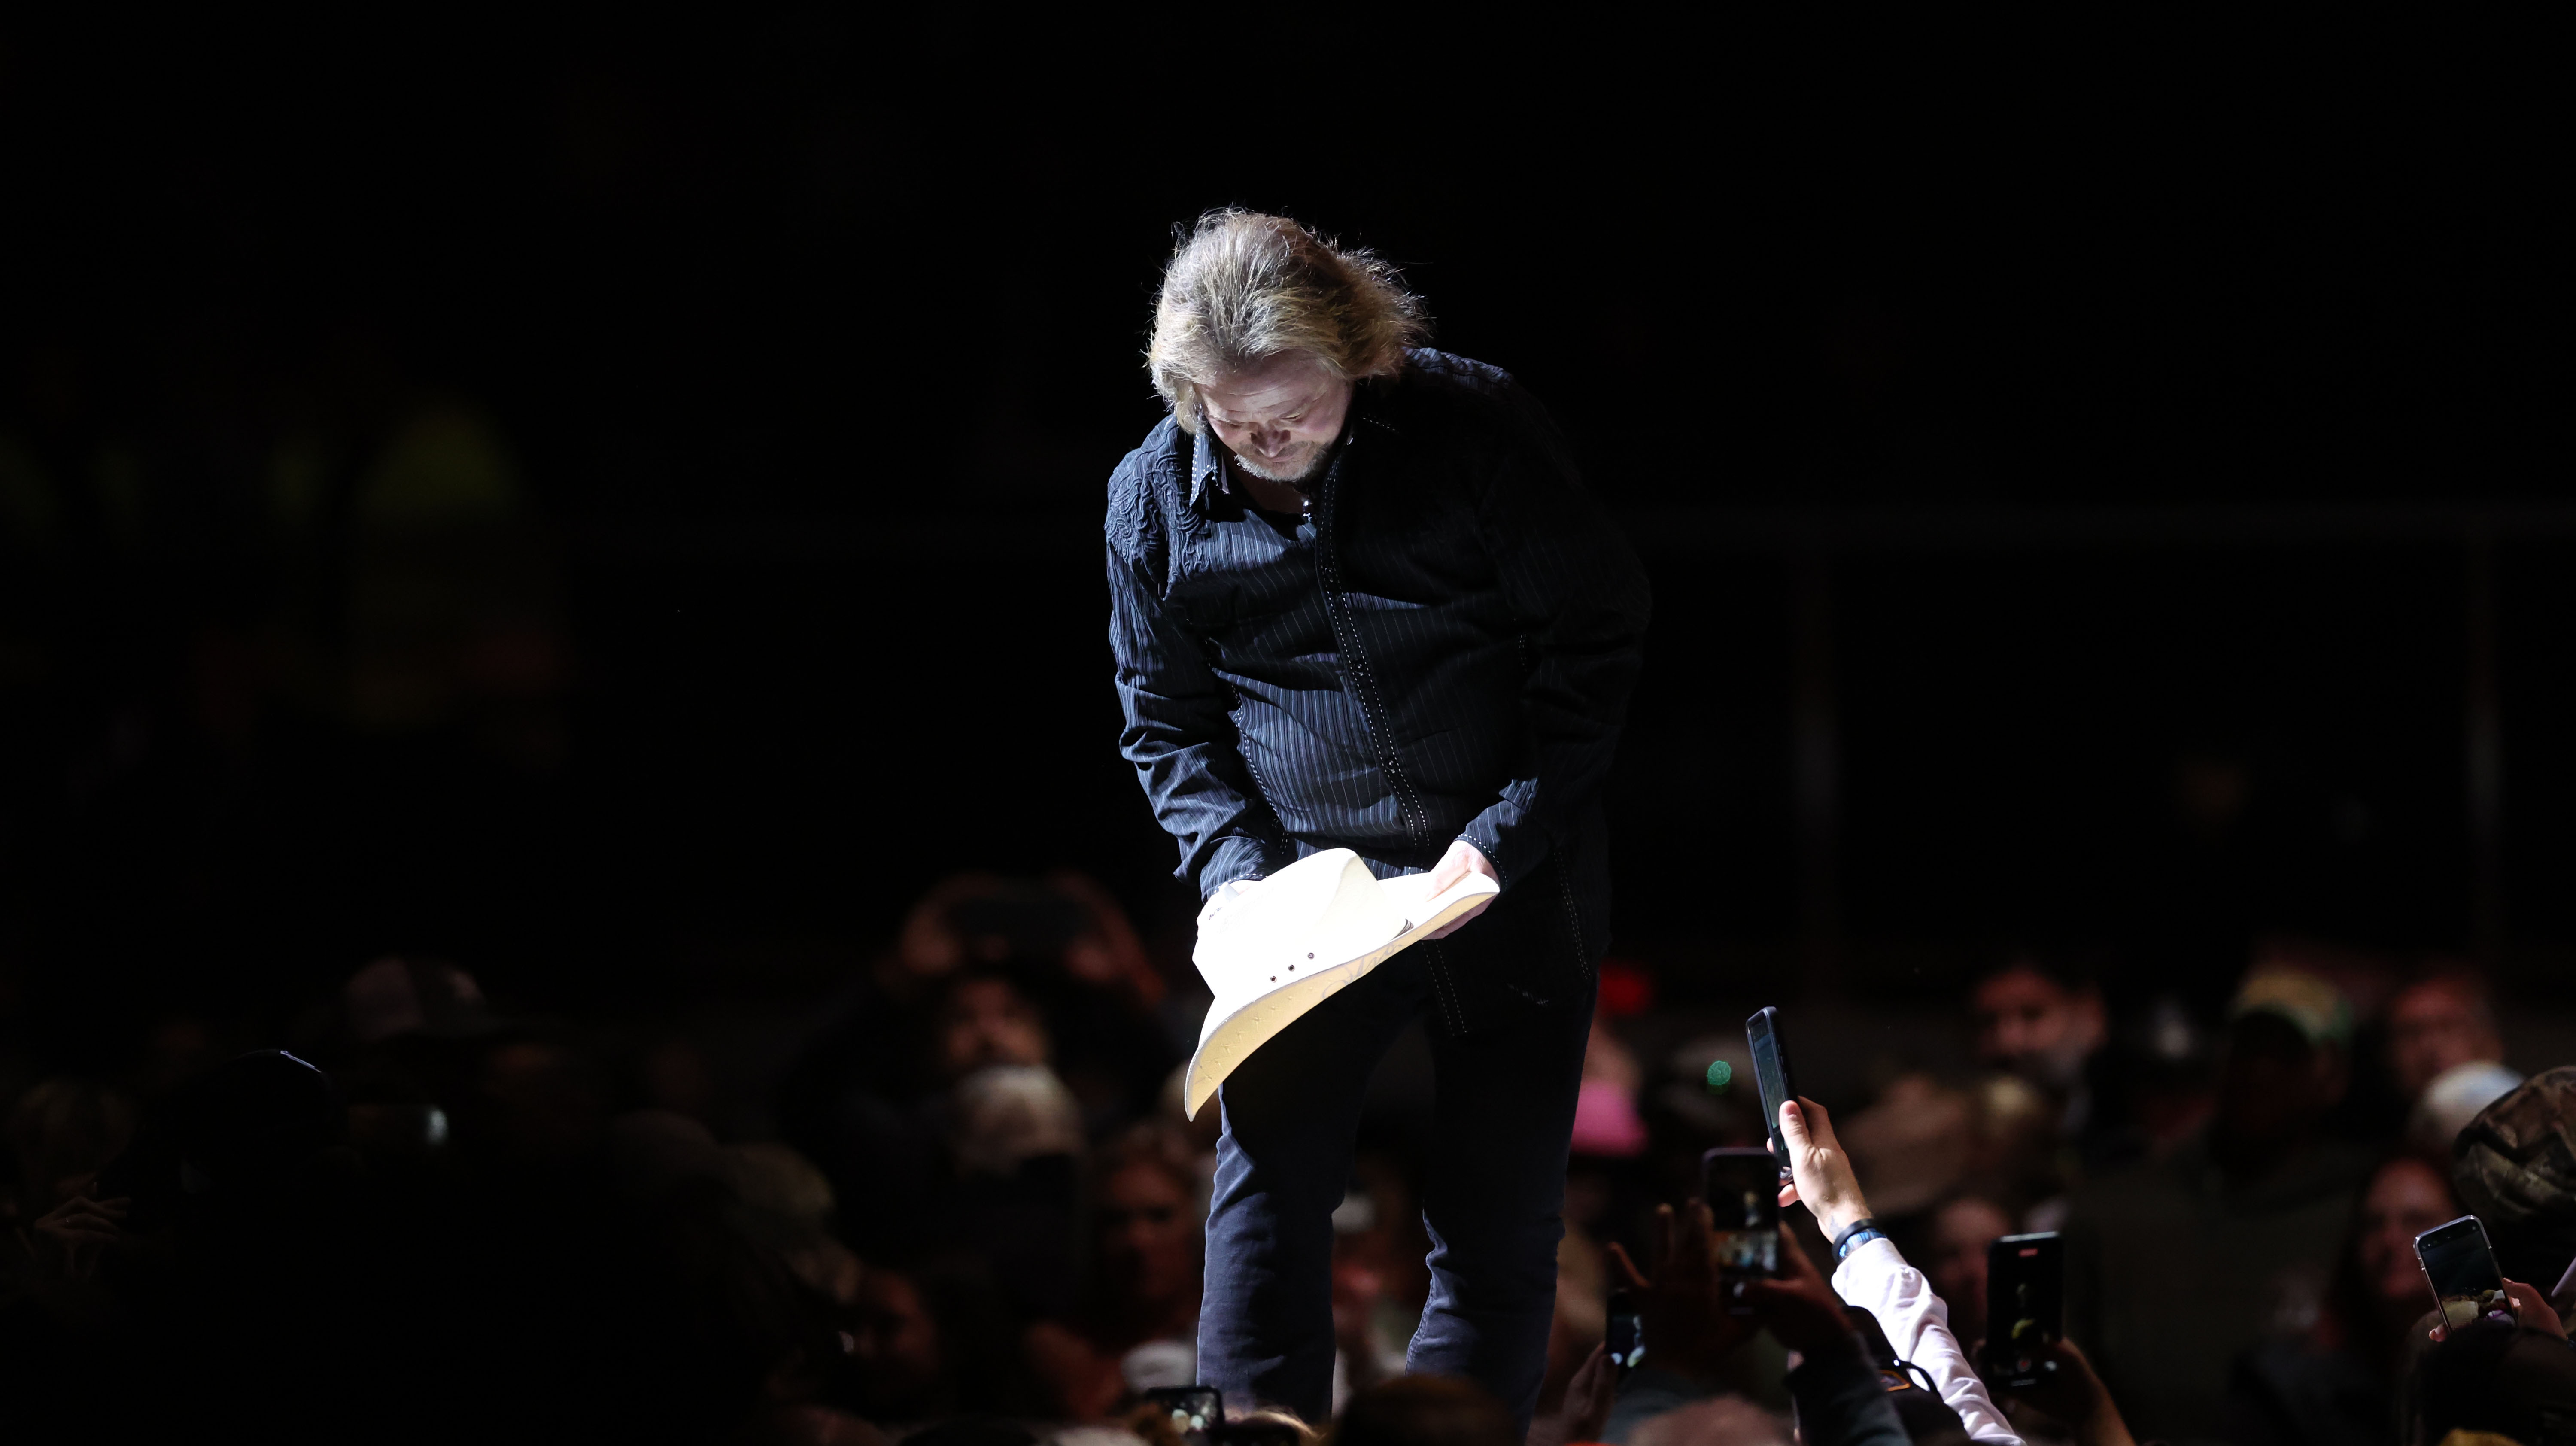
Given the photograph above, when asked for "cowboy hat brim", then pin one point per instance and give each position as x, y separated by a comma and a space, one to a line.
1234, 1028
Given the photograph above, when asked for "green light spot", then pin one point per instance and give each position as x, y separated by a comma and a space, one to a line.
1720, 1075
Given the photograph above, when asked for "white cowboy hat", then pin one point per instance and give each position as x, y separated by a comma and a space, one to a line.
1296, 940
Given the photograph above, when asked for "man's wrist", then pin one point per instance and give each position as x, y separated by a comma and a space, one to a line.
1853, 1236
1839, 1214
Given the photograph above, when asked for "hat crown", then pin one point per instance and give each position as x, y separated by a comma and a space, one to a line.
1325, 909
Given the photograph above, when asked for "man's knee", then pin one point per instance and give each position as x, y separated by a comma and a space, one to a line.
1504, 1255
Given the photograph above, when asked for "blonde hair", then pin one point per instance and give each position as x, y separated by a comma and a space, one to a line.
1243, 287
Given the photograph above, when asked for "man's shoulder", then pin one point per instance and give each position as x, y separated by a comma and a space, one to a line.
1457, 403
1440, 386
1143, 486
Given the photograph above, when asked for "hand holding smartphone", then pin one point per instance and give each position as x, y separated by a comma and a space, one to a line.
2025, 1308
2460, 1266
1626, 1339
1198, 1412
1742, 1190
1771, 1072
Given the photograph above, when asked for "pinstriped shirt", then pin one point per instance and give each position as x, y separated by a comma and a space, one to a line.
1441, 648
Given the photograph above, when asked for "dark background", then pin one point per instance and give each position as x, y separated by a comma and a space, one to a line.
2133, 468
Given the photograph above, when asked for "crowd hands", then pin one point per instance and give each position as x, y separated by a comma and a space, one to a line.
2236, 1191
970, 1214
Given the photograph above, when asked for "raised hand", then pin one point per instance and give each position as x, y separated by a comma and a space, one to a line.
1820, 1173
1799, 1307
1680, 1309
73, 1236
2531, 1310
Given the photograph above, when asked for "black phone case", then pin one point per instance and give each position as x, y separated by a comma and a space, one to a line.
1767, 1019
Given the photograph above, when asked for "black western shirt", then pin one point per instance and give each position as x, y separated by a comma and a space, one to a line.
1441, 649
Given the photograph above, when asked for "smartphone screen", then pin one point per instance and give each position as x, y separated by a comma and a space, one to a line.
1626, 1340
1197, 1411
2461, 1267
1771, 1073
1742, 1188
2025, 1304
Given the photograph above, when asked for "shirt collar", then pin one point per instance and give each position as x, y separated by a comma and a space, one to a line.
1207, 468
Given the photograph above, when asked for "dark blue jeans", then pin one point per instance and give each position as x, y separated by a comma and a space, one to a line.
1492, 1192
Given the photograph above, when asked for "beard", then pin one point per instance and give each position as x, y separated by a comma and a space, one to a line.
1300, 467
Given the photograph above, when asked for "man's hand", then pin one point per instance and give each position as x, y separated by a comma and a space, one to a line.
2074, 1394
1680, 1314
1226, 893
2531, 1311
1819, 1172
1798, 1308
1588, 1399
1461, 860
73, 1235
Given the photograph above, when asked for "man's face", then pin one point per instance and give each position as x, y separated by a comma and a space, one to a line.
1279, 417
986, 1021
1961, 1231
1149, 1234
2433, 1027
2405, 1199
2273, 1085
2028, 1024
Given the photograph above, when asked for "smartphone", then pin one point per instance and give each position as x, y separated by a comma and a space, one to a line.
1771, 1072
1742, 1188
1626, 1340
2461, 1267
1197, 1411
2025, 1307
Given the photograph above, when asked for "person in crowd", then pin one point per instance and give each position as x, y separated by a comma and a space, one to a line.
1688, 1315
2499, 1381
1957, 1235
985, 971
2178, 1266
2508, 1375
2041, 1018
60, 1132
788, 1205
2445, 1055
2437, 1024
1135, 1321
2514, 1167
933, 1341
2336, 1383
1318, 466
1873, 1276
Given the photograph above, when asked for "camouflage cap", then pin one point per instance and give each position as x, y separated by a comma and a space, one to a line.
2515, 1168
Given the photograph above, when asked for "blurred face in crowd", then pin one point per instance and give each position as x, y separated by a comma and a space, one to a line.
2037, 1028
896, 1345
545, 1102
2406, 1198
984, 1022
2435, 1026
1148, 1233
1279, 417
1961, 1231
2273, 1087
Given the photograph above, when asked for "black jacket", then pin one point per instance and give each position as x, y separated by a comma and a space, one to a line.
1443, 650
